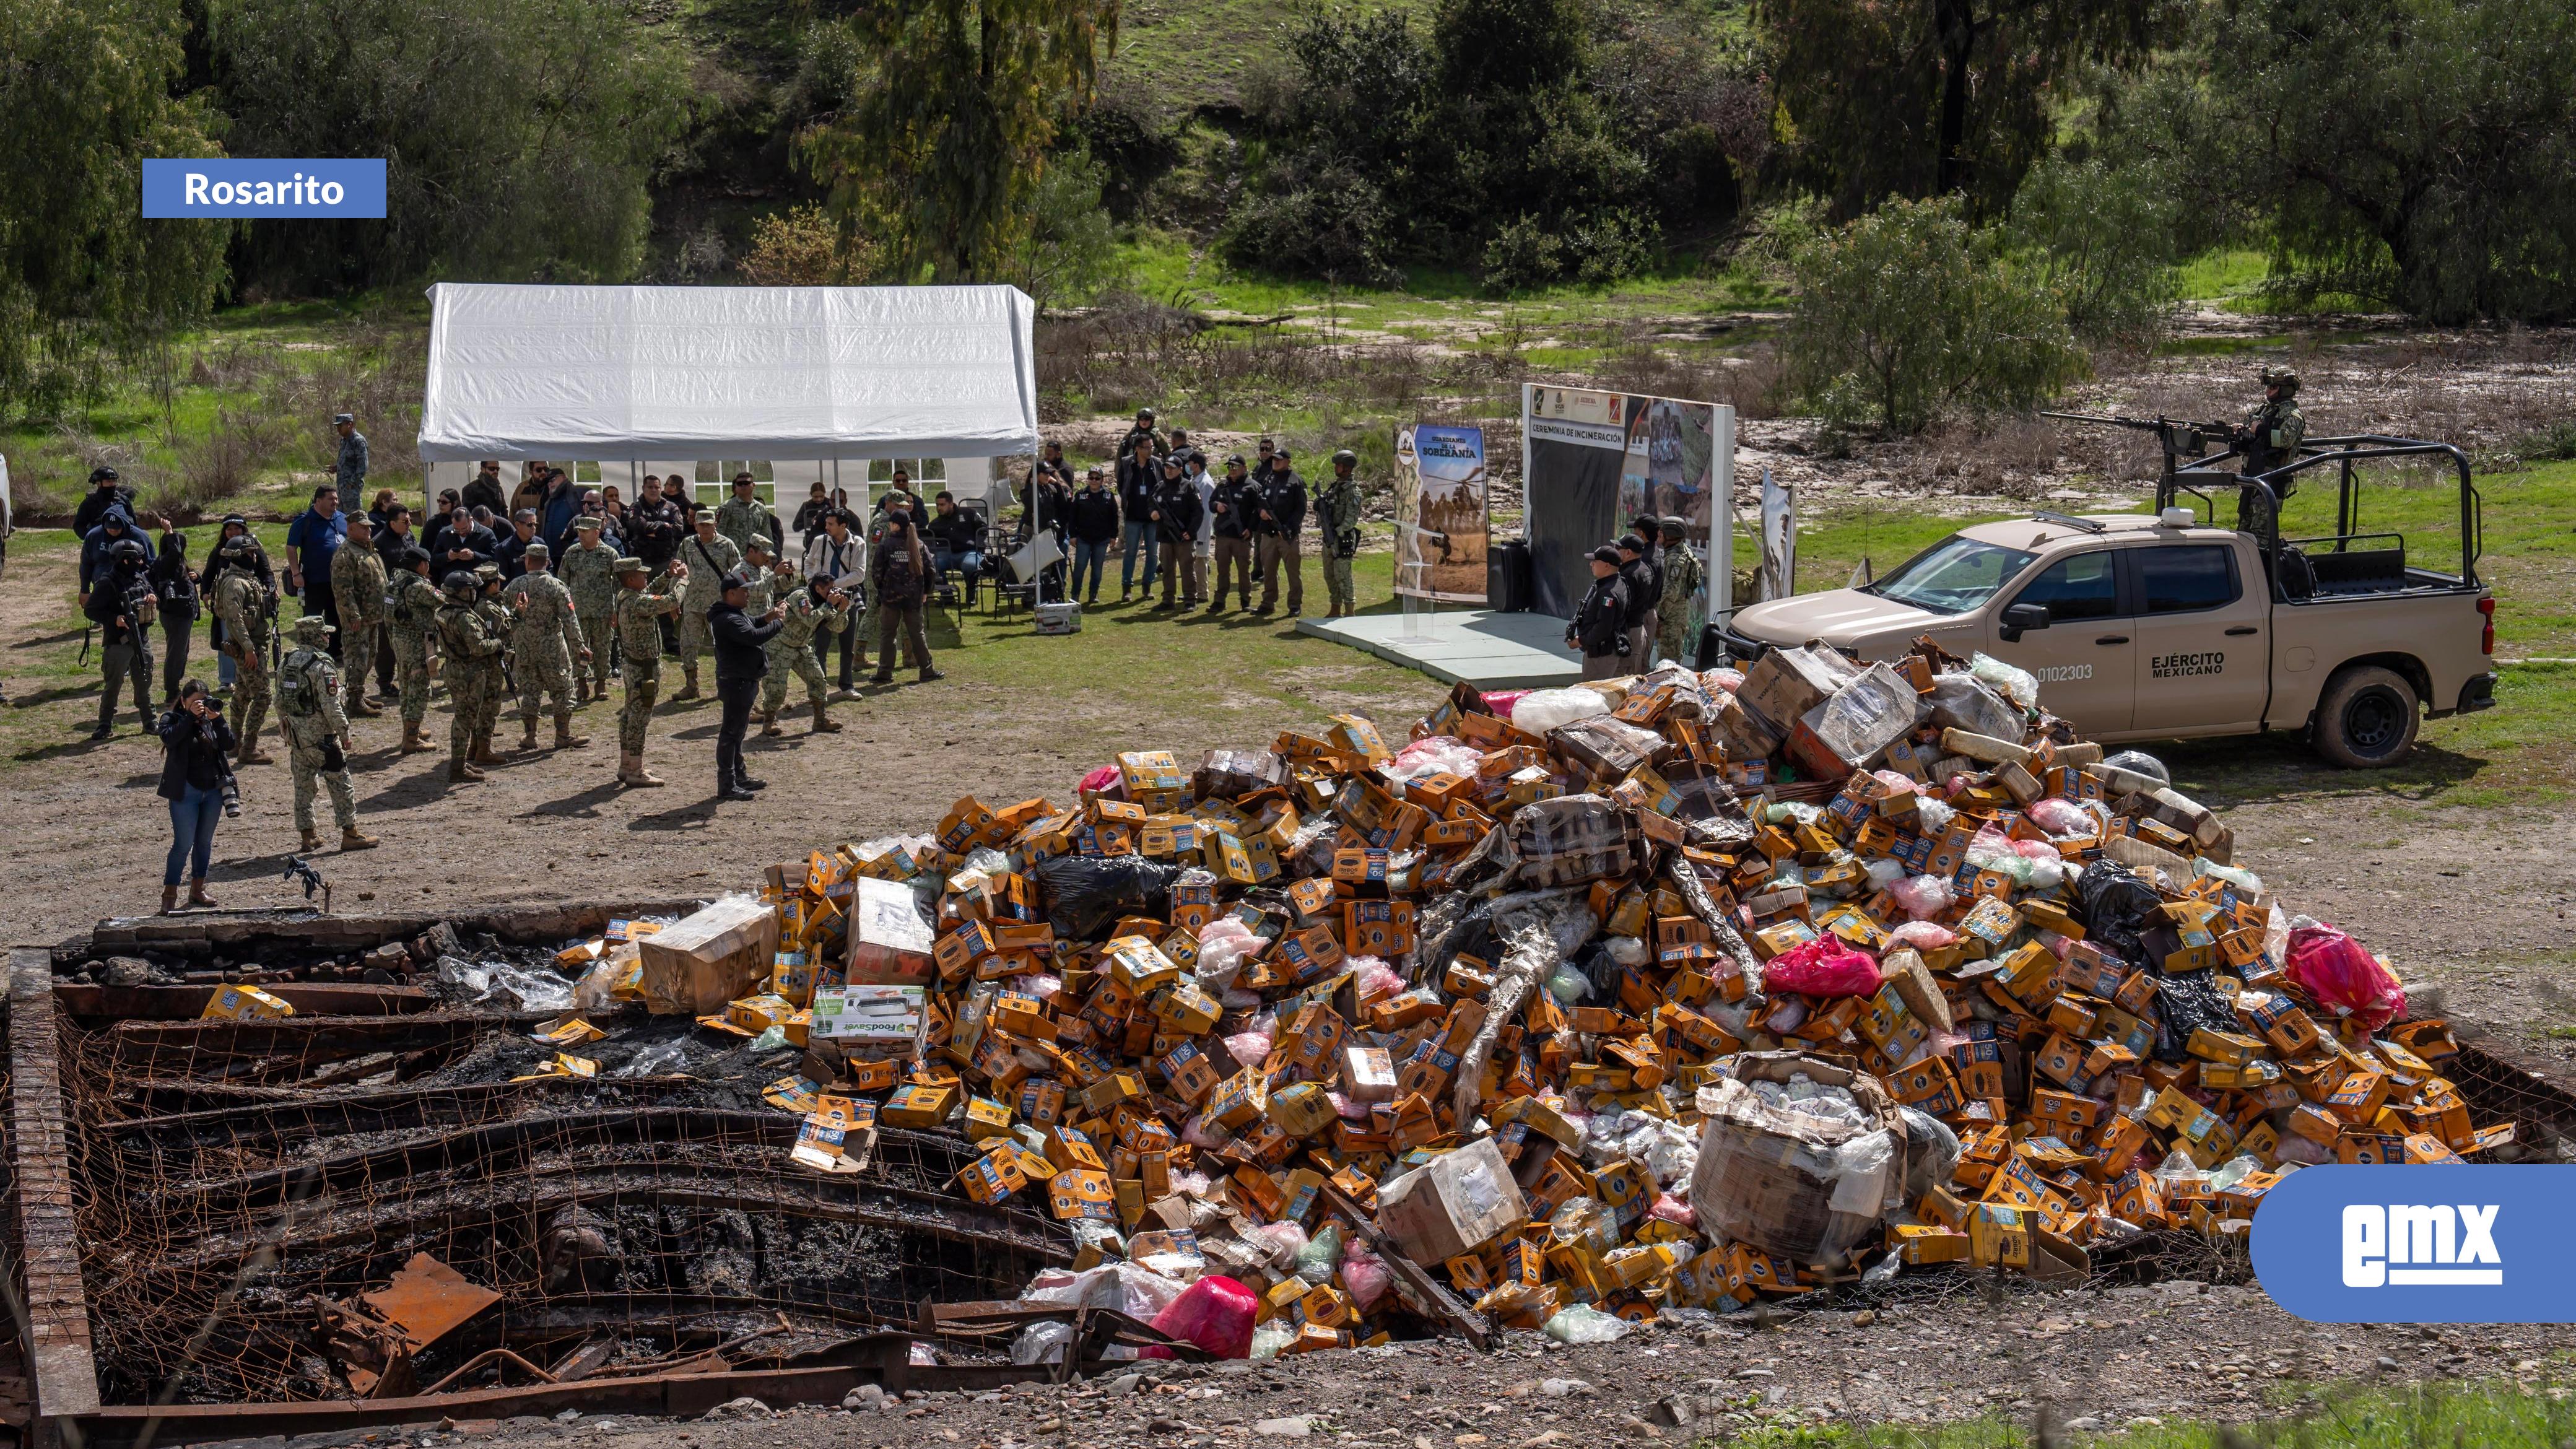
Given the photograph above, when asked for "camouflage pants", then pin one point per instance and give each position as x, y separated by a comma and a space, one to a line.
643, 682
1337, 582
545, 671
411, 676
250, 694
696, 637
306, 744
799, 661
496, 693
469, 688
1673, 639
600, 633
357, 654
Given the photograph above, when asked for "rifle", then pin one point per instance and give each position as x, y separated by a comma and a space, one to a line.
2181, 437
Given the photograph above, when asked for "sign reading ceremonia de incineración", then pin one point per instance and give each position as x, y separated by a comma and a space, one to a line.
264, 188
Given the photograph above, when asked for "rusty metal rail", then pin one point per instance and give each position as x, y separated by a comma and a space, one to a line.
59, 1356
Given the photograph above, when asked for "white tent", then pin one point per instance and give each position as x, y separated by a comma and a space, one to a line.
808, 373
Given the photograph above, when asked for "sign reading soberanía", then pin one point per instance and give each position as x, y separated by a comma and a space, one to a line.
261, 188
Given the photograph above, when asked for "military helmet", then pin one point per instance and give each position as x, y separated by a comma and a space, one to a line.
1345, 458
1676, 525
126, 550
2287, 380
461, 586
312, 629
412, 556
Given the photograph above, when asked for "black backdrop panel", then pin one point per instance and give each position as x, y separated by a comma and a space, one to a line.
1572, 498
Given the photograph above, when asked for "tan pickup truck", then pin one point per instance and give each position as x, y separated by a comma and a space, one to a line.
2157, 626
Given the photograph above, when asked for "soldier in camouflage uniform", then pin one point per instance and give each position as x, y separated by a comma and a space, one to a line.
412, 624
247, 604
813, 609
710, 556
589, 569
2270, 439
498, 614
1680, 612
317, 733
760, 564
545, 640
358, 589
743, 517
639, 639
1337, 508
472, 649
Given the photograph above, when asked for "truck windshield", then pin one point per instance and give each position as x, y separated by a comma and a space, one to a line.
1953, 576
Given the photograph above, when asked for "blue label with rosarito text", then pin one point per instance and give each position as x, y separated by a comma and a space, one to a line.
264, 188
2420, 1244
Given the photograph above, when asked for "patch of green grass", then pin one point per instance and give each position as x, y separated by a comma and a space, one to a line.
2223, 273
2344, 1416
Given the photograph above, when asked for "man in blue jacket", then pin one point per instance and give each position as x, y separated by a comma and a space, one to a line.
311, 539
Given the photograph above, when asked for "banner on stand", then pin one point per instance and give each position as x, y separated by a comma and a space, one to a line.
1593, 461
1440, 520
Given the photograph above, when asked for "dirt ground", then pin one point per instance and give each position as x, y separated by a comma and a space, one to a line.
2088, 1360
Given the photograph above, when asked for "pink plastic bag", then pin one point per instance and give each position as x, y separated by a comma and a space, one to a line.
2333, 969
1366, 1275
1924, 935
1215, 1313
1104, 778
1822, 967
1500, 701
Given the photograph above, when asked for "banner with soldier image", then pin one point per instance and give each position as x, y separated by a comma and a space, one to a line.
1593, 462
1440, 526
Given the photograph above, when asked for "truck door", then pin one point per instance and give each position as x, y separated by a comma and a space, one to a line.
2204, 658
2085, 658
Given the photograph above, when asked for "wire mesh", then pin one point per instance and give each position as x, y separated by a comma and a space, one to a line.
244, 1185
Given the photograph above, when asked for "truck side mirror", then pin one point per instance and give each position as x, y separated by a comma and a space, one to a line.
2019, 617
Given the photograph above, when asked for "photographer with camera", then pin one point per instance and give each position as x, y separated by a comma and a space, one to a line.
197, 780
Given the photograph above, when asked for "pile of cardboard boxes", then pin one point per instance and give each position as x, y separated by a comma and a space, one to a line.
1513, 1007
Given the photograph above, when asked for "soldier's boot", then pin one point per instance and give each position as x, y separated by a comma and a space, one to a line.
250, 754
769, 723
169, 899
528, 738
688, 690
581, 691
633, 773
462, 772
413, 741
482, 753
312, 842
358, 705
351, 839
823, 724
565, 739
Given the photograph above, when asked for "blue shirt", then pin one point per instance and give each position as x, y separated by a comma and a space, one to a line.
315, 539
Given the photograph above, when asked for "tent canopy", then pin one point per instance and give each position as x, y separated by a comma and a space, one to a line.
814, 373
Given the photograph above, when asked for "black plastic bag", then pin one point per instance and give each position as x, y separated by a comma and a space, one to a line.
1081, 895
2116, 907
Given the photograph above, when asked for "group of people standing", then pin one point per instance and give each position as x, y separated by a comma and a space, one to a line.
1177, 521
1638, 607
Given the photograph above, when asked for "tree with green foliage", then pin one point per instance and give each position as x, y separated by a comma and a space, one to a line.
519, 136
1932, 98
2103, 238
85, 95
2421, 153
1906, 314
952, 120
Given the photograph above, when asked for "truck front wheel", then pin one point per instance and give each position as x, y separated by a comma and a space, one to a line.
2367, 719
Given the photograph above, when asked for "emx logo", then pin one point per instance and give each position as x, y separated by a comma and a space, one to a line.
2459, 1244
2431, 1245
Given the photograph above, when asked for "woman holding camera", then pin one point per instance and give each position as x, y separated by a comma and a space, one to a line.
197, 779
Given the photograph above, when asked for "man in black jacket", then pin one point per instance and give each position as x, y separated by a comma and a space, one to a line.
1276, 533
654, 528
742, 659
1144, 433
1599, 629
106, 492
1639, 575
1140, 477
120, 602
1092, 518
1176, 515
484, 489
1237, 500
465, 544
956, 541
898, 578
174, 597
